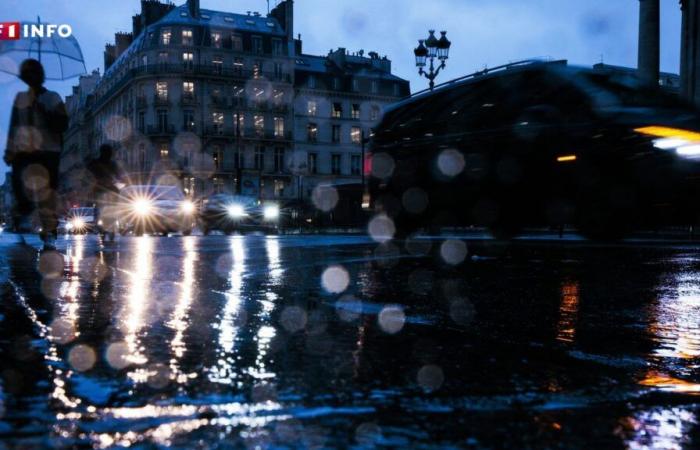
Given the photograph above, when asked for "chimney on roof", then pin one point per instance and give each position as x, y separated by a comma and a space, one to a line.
122, 42
193, 7
284, 13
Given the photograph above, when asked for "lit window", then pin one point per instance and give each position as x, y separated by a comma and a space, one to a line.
164, 151
187, 59
165, 36
312, 132
238, 123
238, 65
355, 111
187, 38
218, 64
162, 90
188, 89
356, 135
337, 110
216, 39
217, 120
259, 124
279, 126
312, 107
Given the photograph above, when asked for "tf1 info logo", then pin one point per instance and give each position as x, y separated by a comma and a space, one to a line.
12, 31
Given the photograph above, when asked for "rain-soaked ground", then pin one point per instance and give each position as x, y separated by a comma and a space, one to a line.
328, 342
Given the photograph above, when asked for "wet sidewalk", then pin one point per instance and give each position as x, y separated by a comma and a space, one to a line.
334, 341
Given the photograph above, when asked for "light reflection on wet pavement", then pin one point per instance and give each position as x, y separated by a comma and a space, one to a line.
327, 342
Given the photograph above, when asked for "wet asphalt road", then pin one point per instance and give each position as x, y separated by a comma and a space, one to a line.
336, 342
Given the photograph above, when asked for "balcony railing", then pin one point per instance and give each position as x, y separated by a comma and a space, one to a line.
190, 69
188, 100
160, 130
159, 100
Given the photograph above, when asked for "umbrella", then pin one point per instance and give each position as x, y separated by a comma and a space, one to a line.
61, 56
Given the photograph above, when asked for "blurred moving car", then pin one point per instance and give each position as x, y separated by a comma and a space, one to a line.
79, 220
156, 209
231, 213
538, 143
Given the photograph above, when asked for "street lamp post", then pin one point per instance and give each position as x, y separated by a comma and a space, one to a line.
432, 48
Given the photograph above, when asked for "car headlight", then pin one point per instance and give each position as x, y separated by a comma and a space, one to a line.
100, 223
236, 211
271, 212
685, 143
78, 223
142, 206
188, 207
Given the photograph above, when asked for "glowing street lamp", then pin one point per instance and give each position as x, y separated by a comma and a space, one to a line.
432, 48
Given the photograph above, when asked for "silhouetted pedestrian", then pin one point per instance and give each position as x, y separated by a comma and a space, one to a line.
34, 143
106, 180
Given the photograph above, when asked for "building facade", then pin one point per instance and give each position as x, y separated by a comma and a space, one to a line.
220, 102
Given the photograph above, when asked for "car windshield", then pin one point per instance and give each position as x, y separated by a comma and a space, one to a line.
625, 90
155, 192
82, 212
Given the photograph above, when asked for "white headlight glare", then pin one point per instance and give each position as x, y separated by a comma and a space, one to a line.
78, 223
682, 147
669, 143
142, 206
271, 212
690, 151
236, 211
188, 207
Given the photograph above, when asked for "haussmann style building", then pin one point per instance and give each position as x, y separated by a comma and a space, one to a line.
224, 102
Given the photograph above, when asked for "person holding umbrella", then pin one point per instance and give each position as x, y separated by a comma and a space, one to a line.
34, 143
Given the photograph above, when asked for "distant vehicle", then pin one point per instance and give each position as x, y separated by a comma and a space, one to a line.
231, 213
157, 209
537, 143
79, 220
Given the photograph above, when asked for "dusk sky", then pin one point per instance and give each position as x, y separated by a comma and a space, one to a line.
484, 33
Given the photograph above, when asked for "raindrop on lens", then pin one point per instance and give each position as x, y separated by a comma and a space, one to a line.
159, 376
450, 163
392, 319
325, 197
349, 308
387, 254
461, 311
293, 318
117, 355
381, 228
368, 434
51, 264
82, 357
453, 252
430, 378
416, 245
382, 165
415, 200
62, 331
335, 279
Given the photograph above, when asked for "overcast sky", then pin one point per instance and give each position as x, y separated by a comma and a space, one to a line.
483, 33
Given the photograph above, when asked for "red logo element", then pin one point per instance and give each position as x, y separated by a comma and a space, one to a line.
9, 31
